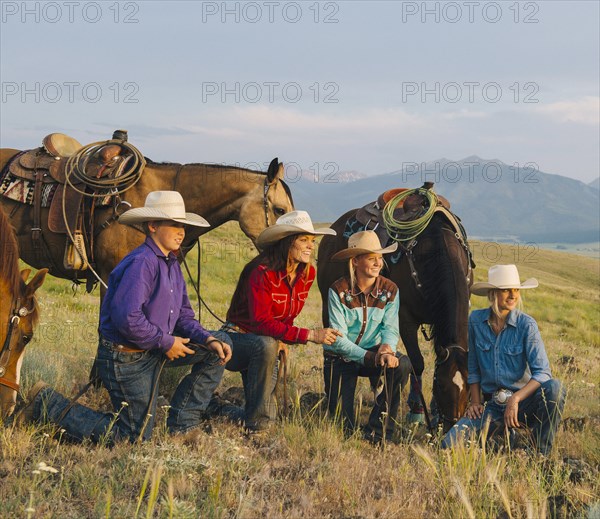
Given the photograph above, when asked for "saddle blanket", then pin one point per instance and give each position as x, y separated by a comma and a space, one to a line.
21, 190
353, 226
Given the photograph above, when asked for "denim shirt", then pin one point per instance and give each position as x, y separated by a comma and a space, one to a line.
378, 310
146, 303
511, 358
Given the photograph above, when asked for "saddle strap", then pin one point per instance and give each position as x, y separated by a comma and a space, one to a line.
36, 230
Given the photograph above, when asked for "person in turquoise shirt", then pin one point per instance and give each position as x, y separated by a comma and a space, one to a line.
363, 306
509, 374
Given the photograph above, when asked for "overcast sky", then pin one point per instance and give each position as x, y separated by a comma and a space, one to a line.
365, 86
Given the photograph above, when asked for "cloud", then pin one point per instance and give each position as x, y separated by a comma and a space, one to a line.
585, 110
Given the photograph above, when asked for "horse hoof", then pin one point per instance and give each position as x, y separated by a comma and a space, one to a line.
415, 418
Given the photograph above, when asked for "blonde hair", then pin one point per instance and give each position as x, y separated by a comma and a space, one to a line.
494, 301
352, 269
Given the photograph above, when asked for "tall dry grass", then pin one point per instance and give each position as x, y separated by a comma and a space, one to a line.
305, 467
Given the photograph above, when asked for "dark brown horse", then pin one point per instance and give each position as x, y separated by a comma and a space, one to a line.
219, 193
433, 277
18, 315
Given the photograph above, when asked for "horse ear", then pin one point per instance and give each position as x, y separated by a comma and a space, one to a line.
275, 171
36, 282
25, 274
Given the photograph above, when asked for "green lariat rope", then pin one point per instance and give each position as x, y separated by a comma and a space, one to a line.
406, 231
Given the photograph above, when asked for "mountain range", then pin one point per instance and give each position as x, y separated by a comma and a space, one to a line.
496, 201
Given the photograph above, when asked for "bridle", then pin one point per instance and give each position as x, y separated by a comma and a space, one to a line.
266, 188
439, 362
13, 323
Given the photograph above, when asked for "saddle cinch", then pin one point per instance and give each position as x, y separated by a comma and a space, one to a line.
49, 164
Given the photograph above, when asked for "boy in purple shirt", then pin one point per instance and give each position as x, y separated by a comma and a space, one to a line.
146, 320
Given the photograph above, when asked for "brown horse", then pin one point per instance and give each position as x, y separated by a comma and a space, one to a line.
18, 315
219, 193
433, 278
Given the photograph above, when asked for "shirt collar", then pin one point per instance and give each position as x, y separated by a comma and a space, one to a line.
375, 291
510, 320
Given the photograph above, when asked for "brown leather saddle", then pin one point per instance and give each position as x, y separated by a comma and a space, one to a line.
50, 164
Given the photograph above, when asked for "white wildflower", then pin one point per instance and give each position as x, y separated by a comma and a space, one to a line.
46, 468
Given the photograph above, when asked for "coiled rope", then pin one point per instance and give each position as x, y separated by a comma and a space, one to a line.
130, 171
126, 177
406, 231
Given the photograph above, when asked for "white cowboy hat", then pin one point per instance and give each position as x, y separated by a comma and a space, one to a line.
363, 242
502, 276
162, 205
294, 222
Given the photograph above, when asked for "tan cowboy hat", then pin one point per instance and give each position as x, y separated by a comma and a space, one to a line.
162, 205
294, 222
502, 276
363, 242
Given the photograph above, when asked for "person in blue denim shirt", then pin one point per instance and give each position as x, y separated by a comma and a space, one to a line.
363, 306
508, 366
146, 320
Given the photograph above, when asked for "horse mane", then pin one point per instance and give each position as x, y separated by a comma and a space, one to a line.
9, 252
441, 298
288, 192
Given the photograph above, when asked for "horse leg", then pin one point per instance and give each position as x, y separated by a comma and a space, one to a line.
408, 332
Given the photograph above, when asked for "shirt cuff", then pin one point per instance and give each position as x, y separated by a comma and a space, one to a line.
473, 379
541, 377
166, 343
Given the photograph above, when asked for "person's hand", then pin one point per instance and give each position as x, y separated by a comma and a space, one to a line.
474, 411
178, 349
511, 412
221, 349
324, 335
384, 350
390, 360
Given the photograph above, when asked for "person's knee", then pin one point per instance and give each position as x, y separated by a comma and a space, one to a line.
554, 390
267, 348
223, 337
404, 364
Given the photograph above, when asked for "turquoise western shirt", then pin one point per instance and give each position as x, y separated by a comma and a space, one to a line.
377, 311
511, 358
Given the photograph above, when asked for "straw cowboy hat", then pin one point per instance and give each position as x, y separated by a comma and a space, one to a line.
363, 242
294, 222
162, 205
502, 276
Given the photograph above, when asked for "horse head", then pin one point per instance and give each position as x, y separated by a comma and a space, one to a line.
264, 204
450, 387
19, 318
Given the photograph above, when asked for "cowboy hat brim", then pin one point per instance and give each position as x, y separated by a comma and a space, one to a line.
352, 252
276, 232
148, 214
482, 288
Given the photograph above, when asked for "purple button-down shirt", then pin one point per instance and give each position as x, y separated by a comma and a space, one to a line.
146, 303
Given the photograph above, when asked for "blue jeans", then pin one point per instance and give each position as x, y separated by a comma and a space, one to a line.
129, 379
341, 378
255, 357
542, 411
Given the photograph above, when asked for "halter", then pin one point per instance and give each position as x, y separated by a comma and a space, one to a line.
266, 200
13, 322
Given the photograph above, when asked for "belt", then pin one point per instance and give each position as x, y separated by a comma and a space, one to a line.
120, 347
331, 355
232, 327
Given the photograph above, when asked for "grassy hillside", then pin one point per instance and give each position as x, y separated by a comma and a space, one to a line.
305, 468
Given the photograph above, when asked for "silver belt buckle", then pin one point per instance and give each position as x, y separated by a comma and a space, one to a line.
501, 396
